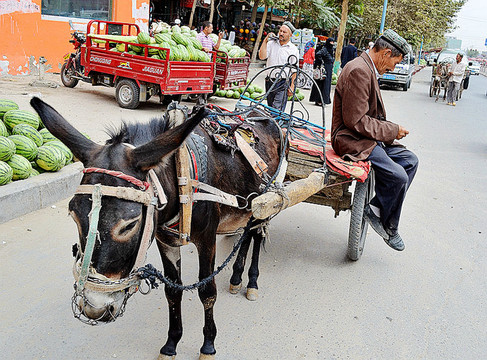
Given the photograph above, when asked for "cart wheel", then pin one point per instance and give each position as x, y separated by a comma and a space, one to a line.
358, 225
127, 94
432, 89
66, 74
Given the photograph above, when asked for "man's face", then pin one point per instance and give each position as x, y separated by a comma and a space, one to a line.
459, 58
284, 34
208, 30
386, 62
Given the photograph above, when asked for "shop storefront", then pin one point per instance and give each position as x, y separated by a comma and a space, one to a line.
34, 28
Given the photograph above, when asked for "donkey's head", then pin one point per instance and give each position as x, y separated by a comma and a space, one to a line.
121, 220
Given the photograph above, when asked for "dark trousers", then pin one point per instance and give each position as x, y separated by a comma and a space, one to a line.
277, 98
394, 169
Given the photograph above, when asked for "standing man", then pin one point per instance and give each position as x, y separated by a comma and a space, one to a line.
277, 51
349, 52
361, 131
456, 75
206, 41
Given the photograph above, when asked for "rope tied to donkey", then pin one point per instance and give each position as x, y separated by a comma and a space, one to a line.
151, 274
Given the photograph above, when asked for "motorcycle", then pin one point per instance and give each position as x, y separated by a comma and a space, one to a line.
72, 70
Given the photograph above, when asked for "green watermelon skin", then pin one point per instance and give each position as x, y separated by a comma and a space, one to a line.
3, 129
64, 149
6, 173
50, 158
21, 167
143, 38
47, 136
24, 146
15, 117
28, 131
7, 105
7, 148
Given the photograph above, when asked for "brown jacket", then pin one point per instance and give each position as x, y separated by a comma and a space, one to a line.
359, 116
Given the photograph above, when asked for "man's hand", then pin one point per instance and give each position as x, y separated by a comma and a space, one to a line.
401, 133
220, 35
206, 49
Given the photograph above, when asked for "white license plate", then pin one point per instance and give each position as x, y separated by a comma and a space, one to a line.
389, 77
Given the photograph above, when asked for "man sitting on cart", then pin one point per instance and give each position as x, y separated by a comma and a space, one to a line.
360, 131
206, 41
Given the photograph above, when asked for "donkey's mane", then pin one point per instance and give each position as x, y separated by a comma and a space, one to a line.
137, 133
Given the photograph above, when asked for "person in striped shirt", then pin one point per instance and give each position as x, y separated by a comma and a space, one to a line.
206, 41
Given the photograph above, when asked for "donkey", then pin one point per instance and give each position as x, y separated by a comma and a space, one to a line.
134, 151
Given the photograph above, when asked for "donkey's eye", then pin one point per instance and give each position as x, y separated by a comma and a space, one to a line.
124, 230
130, 226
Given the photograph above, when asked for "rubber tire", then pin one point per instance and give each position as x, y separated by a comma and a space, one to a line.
358, 225
128, 94
405, 87
431, 88
409, 83
168, 98
66, 79
466, 81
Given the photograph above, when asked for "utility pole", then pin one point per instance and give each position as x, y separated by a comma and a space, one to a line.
382, 22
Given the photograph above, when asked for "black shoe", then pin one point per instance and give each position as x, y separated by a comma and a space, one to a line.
395, 242
375, 222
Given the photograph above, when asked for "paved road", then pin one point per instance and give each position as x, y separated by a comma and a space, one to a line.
428, 302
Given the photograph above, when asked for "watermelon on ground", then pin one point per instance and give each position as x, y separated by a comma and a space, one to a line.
229, 94
47, 136
28, 131
7, 105
6, 173
24, 146
3, 129
7, 148
15, 117
21, 167
50, 158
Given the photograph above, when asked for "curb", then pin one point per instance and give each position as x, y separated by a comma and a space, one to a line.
24, 196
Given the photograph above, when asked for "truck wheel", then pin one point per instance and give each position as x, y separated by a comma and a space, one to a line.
127, 94
405, 86
66, 76
168, 98
465, 82
432, 89
358, 225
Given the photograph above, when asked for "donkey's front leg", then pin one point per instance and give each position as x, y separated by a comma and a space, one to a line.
252, 288
207, 294
239, 265
171, 260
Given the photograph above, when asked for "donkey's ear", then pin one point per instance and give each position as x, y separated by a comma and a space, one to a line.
81, 147
149, 155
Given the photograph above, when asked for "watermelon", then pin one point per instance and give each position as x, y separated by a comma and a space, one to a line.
21, 167
184, 52
3, 129
195, 42
247, 94
229, 94
34, 172
7, 105
143, 38
176, 29
64, 149
29, 131
15, 117
236, 95
50, 158
214, 37
179, 38
47, 136
223, 93
7, 148
24, 146
6, 173
260, 90
193, 34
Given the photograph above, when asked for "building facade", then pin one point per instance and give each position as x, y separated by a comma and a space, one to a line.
34, 28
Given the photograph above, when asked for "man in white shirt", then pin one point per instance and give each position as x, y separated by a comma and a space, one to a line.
277, 52
456, 73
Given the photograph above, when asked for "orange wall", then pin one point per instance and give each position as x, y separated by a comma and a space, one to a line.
25, 32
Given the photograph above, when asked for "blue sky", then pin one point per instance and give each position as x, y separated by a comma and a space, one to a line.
472, 25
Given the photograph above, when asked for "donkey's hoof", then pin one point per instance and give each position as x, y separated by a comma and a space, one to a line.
166, 357
234, 289
207, 356
252, 294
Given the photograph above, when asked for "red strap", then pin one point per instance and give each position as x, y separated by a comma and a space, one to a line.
141, 184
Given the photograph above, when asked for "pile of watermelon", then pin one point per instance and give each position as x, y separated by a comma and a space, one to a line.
26, 147
181, 41
253, 91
